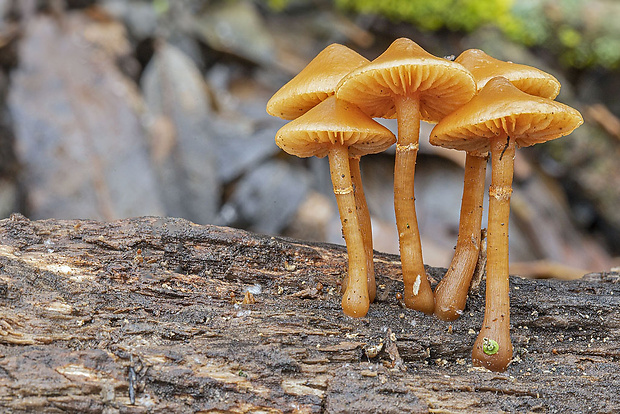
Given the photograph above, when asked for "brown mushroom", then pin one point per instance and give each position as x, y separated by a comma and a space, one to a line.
526, 78
340, 130
316, 82
498, 119
410, 84
451, 292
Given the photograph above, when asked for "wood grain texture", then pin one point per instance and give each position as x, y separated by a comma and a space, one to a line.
146, 316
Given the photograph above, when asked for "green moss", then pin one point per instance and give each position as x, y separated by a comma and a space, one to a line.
278, 5
465, 15
580, 32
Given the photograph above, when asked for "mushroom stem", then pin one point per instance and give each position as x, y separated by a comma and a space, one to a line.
417, 291
355, 301
451, 292
493, 348
363, 215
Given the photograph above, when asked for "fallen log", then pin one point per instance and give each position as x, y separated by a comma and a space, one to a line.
159, 315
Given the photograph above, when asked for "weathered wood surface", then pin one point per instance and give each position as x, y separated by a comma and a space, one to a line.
145, 315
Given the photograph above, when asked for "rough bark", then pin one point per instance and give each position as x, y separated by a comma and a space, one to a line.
146, 315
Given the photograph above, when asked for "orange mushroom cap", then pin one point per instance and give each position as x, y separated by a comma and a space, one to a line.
315, 82
333, 122
405, 68
501, 108
527, 78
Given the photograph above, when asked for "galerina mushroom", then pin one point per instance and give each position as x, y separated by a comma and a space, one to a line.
410, 84
529, 79
340, 130
451, 292
316, 82
498, 119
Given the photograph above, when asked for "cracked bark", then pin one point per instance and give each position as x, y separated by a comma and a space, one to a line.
146, 315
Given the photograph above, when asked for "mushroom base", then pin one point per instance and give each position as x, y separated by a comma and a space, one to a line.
363, 216
418, 294
451, 292
496, 324
355, 300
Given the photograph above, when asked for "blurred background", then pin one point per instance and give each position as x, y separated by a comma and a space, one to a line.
120, 108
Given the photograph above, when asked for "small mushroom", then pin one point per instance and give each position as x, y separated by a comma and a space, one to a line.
410, 84
526, 78
340, 130
316, 82
451, 292
498, 119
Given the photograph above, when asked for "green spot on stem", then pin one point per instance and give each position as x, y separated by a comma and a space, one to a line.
489, 346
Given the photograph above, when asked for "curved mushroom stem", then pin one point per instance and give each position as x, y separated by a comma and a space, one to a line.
355, 301
493, 348
363, 216
451, 292
418, 294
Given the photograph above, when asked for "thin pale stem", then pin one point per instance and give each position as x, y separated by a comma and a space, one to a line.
355, 301
451, 292
496, 324
417, 291
363, 216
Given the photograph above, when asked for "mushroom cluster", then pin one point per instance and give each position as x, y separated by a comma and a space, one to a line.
331, 125
481, 105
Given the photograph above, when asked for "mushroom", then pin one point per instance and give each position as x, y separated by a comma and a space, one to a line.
312, 85
498, 119
410, 84
315, 82
340, 130
451, 292
526, 78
